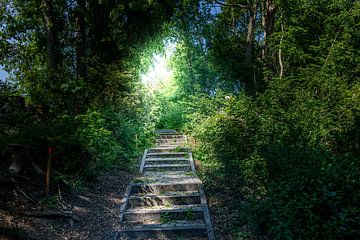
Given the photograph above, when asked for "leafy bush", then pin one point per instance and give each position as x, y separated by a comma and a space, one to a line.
285, 153
97, 141
171, 116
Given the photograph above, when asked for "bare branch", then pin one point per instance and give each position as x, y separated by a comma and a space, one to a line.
280, 49
231, 4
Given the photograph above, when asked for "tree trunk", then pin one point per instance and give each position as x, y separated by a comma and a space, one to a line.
263, 24
50, 21
80, 39
250, 31
268, 23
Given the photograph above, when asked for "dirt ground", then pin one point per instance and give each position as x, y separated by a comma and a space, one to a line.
91, 212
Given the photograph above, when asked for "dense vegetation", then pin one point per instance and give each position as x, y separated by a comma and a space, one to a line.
76, 64
269, 89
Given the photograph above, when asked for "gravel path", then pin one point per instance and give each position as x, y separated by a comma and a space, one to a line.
98, 208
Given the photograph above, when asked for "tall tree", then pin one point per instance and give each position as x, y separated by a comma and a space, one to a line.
251, 30
268, 10
52, 35
251, 7
80, 39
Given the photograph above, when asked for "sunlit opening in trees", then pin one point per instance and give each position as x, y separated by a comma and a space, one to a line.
158, 72
159, 75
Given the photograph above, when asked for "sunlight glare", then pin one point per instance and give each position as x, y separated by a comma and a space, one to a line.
159, 75
158, 72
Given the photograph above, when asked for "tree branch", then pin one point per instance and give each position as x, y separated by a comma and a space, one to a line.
280, 49
231, 4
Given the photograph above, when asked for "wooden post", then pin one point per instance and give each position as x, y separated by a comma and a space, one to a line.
47, 181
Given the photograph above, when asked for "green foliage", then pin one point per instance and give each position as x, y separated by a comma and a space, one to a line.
172, 115
165, 217
284, 150
189, 214
290, 152
97, 120
286, 153
97, 141
50, 202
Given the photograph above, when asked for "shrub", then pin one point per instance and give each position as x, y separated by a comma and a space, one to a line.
284, 151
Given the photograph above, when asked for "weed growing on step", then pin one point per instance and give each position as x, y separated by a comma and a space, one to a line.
165, 217
141, 180
190, 174
189, 214
138, 180
162, 192
180, 238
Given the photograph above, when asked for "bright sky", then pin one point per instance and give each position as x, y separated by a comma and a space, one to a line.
3, 74
215, 9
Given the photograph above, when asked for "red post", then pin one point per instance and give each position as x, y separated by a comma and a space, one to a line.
47, 181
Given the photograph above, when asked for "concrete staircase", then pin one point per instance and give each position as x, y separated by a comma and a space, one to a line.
168, 200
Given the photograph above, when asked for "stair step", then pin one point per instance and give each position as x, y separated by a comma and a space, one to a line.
168, 167
168, 159
168, 149
166, 154
159, 161
169, 230
162, 188
171, 137
169, 134
172, 198
167, 201
177, 144
166, 131
170, 140
163, 213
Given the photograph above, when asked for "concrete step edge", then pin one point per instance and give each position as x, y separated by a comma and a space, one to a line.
167, 153
162, 162
174, 208
166, 159
167, 165
164, 231
163, 226
161, 184
167, 195
166, 148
